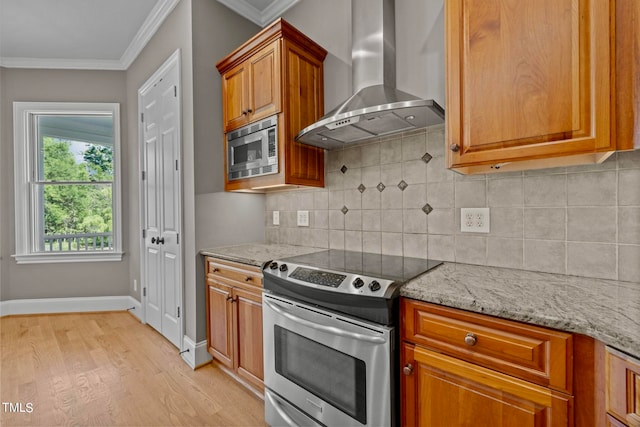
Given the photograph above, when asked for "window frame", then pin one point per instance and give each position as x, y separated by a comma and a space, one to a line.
25, 156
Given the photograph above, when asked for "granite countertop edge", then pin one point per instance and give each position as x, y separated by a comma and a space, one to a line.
607, 310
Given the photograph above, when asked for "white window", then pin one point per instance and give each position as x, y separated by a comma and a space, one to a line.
67, 182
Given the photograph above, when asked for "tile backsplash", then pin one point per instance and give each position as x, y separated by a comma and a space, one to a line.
395, 196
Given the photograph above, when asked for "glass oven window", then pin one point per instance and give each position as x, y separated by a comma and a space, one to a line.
335, 377
248, 152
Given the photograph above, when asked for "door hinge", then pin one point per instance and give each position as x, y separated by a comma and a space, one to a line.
144, 292
144, 175
177, 239
178, 312
144, 233
176, 164
175, 91
142, 117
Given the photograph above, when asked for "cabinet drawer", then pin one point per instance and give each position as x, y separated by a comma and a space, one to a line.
623, 387
240, 273
528, 352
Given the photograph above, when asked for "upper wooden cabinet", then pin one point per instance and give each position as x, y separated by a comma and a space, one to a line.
533, 84
278, 71
251, 89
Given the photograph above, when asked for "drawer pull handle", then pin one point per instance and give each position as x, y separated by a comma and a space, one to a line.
215, 269
470, 339
248, 279
408, 369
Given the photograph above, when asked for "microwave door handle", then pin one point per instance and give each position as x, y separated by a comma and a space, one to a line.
329, 329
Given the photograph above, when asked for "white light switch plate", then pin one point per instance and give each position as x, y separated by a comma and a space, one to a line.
475, 220
303, 218
276, 217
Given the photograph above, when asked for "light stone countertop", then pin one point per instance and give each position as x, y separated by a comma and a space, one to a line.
606, 310
257, 253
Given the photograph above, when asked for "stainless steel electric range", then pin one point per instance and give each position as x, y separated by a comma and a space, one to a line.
330, 338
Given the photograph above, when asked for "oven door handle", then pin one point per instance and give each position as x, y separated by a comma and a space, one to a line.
280, 410
329, 329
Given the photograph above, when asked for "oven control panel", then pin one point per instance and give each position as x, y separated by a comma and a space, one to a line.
333, 281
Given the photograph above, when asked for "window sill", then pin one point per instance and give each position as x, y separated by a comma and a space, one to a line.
48, 258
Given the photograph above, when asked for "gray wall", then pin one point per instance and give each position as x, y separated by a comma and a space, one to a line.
420, 58
58, 280
220, 218
174, 33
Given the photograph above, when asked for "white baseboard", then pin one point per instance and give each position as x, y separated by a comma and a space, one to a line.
70, 305
197, 354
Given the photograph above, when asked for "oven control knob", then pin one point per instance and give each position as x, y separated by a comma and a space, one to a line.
283, 267
273, 265
358, 283
374, 286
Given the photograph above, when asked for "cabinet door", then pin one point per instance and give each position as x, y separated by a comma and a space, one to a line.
248, 323
235, 97
220, 319
442, 391
264, 82
305, 105
527, 81
623, 387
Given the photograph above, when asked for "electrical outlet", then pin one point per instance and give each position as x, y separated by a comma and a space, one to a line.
276, 217
303, 218
475, 220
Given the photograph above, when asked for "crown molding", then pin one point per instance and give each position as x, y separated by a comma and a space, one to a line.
247, 10
156, 17
63, 64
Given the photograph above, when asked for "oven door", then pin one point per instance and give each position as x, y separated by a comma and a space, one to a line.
335, 369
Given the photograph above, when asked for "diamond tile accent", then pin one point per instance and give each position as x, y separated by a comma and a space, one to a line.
427, 209
380, 187
361, 188
343, 169
402, 185
427, 157
344, 210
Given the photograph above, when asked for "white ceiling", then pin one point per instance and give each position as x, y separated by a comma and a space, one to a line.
95, 34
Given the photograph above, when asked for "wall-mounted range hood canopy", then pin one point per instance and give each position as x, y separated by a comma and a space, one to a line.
377, 108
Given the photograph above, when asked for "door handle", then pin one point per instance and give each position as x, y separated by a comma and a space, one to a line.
160, 240
327, 329
153, 240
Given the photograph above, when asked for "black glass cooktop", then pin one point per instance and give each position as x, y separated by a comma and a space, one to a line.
397, 268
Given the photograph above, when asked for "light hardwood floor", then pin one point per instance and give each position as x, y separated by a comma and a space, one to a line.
108, 369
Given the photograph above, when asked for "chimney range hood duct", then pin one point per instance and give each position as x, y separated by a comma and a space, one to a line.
377, 108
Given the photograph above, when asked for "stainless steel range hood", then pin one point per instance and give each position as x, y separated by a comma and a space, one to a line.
377, 108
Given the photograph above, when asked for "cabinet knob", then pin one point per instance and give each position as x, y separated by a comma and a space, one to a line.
249, 111
216, 269
408, 369
454, 147
470, 339
248, 279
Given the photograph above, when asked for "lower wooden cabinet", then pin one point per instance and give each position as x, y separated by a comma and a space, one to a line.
446, 383
623, 389
234, 319
442, 391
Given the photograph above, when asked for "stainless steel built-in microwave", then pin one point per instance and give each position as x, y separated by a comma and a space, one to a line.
252, 150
